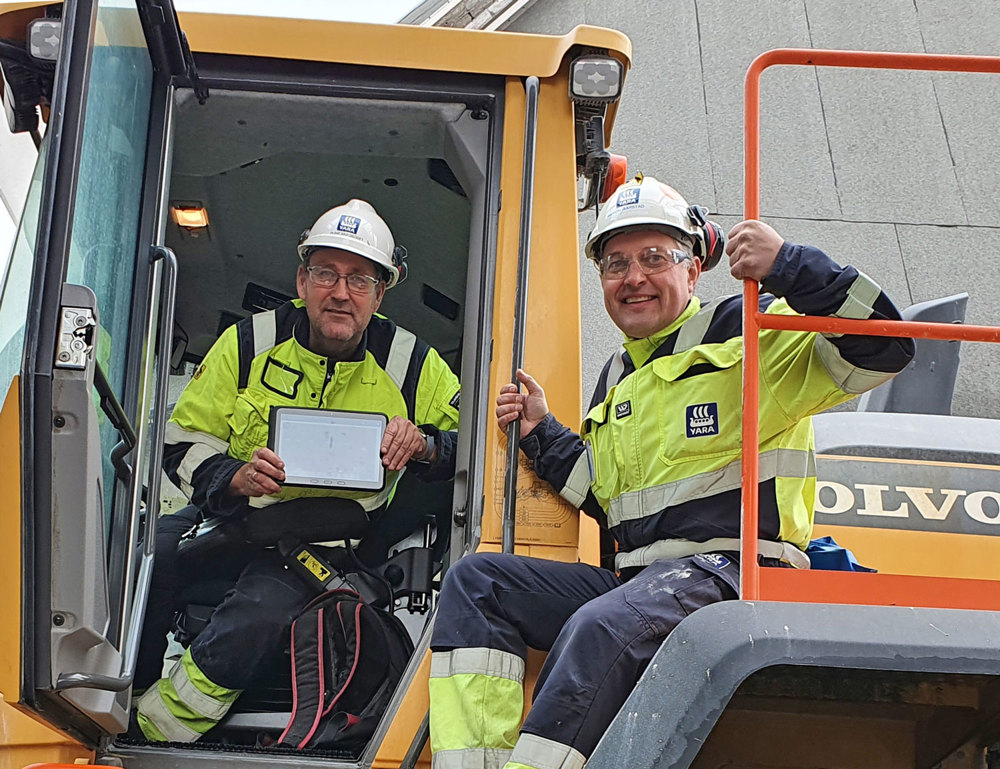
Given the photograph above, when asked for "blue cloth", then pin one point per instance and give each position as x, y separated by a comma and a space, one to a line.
826, 555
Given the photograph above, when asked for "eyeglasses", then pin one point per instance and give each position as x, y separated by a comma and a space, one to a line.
650, 260
357, 283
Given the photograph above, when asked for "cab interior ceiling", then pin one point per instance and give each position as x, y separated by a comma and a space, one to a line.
266, 165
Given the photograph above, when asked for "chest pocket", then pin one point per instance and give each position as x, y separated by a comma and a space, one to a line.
697, 399
247, 425
605, 448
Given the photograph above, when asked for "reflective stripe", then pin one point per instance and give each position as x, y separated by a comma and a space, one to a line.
787, 463
176, 434
471, 758
860, 299
477, 661
194, 698
667, 549
203, 446
847, 376
264, 332
615, 370
152, 707
578, 482
540, 753
694, 329
400, 351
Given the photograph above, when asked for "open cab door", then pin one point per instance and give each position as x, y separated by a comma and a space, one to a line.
86, 293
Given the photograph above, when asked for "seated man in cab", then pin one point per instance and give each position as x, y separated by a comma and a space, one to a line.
658, 464
327, 350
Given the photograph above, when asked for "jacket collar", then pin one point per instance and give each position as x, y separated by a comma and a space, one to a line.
640, 350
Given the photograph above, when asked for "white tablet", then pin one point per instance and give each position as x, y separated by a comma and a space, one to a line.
329, 449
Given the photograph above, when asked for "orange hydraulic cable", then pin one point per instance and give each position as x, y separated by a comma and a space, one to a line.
753, 320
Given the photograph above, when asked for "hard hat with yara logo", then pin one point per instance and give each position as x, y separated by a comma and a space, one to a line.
645, 203
355, 226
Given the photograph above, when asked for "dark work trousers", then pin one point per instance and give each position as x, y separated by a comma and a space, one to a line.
166, 586
250, 624
600, 632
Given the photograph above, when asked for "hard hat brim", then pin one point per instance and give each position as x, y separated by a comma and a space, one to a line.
596, 242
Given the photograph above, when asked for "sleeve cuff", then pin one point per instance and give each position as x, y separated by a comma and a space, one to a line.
780, 280
539, 439
219, 500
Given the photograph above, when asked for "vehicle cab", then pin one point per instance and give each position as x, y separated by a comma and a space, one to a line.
181, 159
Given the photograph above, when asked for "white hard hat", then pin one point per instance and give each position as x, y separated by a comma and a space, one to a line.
644, 203
356, 227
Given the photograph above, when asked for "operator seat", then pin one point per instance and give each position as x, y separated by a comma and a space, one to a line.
927, 384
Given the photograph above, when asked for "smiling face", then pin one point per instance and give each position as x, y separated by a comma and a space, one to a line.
639, 304
337, 317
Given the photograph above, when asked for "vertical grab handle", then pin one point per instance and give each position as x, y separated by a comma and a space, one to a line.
521, 304
130, 648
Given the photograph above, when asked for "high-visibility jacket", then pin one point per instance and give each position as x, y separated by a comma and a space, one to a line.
658, 458
263, 362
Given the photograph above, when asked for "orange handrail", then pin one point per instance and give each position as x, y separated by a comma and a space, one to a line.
754, 320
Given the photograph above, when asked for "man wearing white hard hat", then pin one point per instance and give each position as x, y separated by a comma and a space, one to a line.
326, 350
657, 463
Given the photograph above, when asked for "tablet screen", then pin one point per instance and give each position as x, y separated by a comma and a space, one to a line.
333, 449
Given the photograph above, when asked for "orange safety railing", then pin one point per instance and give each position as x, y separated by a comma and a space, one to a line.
819, 586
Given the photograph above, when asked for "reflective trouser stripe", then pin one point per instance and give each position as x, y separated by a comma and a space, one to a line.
476, 702
184, 706
578, 482
534, 752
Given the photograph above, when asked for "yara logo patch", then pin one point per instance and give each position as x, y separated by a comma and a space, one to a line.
348, 224
702, 419
627, 197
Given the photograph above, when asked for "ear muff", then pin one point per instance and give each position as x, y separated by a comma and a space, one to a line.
712, 244
399, 262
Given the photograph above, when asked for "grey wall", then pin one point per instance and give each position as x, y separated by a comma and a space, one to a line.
894, 172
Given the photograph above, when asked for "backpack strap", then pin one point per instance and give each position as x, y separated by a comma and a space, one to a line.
308, 677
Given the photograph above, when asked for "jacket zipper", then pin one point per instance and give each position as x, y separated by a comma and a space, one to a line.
330, 365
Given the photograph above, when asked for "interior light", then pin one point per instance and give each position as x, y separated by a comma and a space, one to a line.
595, 79
190, 217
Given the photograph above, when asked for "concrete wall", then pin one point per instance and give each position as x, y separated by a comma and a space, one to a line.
894, 172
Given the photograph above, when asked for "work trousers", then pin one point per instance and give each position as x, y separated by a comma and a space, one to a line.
249, 626
600, 633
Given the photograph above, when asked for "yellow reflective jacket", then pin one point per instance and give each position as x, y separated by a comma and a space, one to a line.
658, 458
260, 363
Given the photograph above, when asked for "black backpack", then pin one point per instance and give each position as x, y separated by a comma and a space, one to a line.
347, 658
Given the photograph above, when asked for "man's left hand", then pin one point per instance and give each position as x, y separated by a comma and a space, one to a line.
401, 443
753, 246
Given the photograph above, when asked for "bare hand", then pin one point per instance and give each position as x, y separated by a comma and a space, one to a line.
530, 407
261, 475
401, 443
753, 246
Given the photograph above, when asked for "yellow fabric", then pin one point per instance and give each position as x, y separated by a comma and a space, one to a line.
164, 713
474, 711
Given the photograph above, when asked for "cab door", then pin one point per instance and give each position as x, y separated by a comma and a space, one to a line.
89, 297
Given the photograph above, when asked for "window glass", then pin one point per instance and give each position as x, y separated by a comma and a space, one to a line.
103, 248
15, 283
